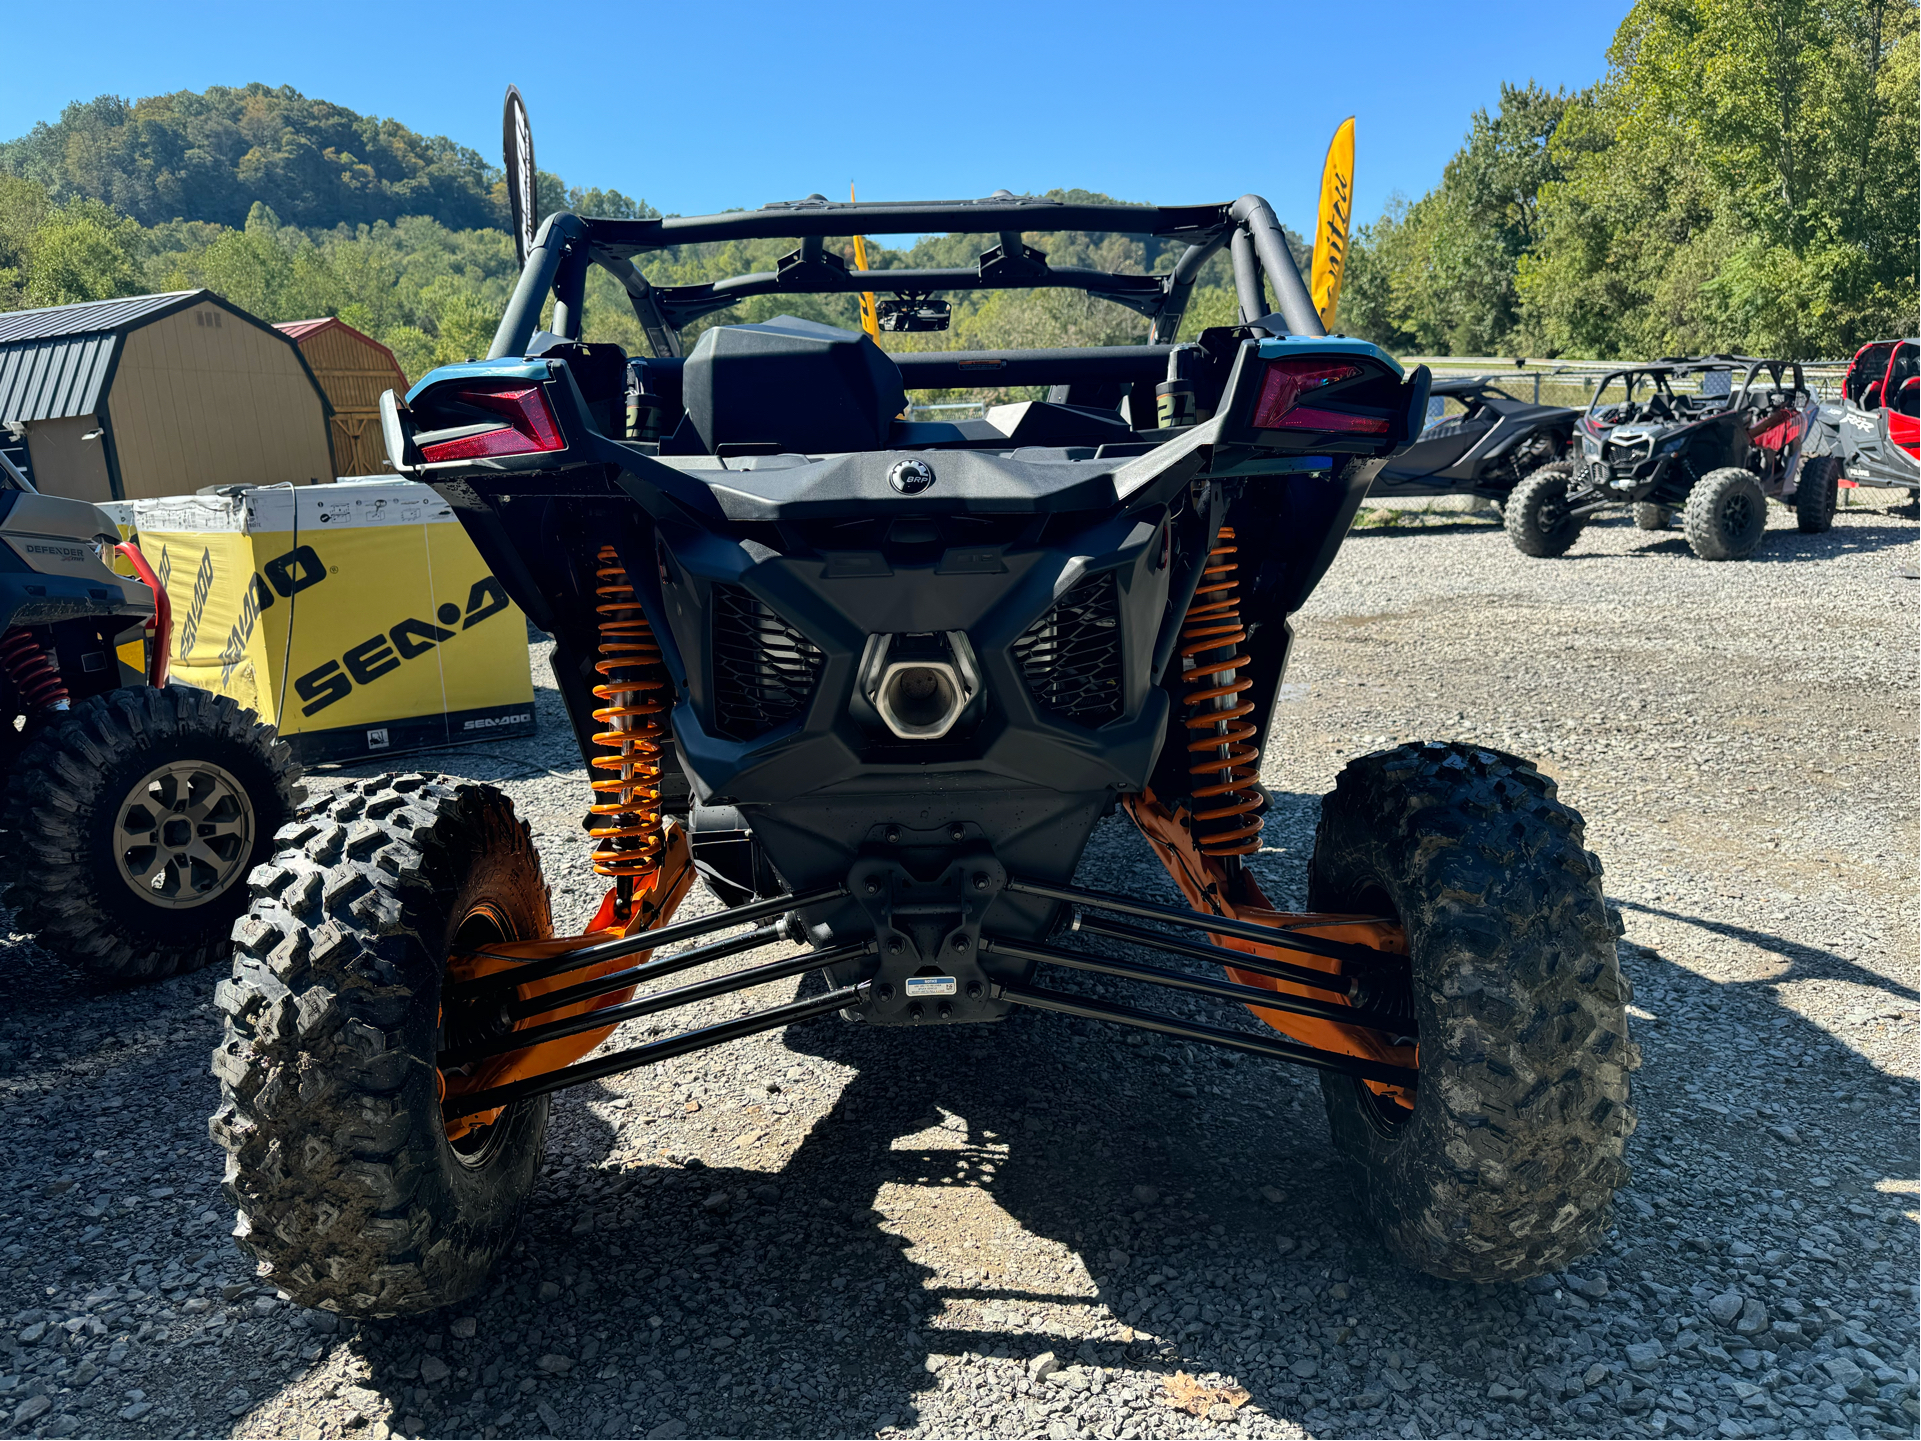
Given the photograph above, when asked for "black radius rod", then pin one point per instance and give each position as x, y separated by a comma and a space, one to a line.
1201, 985
504, 981
1274, 1048
665, 1049
1218, 925
1221, 955
649, 970
651, 1005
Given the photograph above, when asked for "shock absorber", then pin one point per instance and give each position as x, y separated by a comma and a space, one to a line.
1223, 759
32, 671
628, 835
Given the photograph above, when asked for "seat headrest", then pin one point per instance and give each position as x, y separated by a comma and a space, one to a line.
790, 386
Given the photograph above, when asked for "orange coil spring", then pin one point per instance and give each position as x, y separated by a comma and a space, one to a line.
33, 673
1220, 746
628, 843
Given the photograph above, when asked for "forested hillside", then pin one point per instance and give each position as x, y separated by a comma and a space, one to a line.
294, 208
1742, 178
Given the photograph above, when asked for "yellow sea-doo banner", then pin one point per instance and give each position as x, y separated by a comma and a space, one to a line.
1330, 230
357, 617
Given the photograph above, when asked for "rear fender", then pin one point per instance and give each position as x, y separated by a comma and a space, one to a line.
433, 412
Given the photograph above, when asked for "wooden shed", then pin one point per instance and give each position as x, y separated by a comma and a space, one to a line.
158, 395
352, 369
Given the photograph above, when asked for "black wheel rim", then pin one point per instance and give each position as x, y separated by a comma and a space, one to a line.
469, 1022
1737, 515
1391, 990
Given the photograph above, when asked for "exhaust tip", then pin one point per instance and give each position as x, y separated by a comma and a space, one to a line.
920, 685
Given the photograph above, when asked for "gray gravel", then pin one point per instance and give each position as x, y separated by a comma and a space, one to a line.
1047, 1229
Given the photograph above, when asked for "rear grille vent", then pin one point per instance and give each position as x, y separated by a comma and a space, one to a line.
1071, 657
764, 669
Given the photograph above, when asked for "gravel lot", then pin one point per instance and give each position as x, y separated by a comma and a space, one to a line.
1044, 1229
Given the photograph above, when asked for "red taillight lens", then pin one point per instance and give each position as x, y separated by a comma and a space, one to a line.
528, 424
1287, 381
1305, 417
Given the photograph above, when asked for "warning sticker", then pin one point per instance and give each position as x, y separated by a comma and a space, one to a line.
930, 985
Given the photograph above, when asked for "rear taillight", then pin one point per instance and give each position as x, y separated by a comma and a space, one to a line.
1288, 381
527, 423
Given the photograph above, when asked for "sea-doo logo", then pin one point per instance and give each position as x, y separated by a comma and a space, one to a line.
384, 651
911, 477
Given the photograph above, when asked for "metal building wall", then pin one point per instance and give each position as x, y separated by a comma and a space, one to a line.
64, 463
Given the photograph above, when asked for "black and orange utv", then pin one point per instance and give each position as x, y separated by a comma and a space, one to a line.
873, 681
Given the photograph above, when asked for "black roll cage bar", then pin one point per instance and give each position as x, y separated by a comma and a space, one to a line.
568, 244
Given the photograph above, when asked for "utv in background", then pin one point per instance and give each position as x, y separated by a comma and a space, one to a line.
1875, 430
1717, 454
1485, 443
132, 809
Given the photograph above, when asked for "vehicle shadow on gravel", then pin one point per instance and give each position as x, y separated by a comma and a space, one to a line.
1803, 960
1778, 547
726, 1300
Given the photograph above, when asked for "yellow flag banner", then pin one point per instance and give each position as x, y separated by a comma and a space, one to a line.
1330, 230
869, 317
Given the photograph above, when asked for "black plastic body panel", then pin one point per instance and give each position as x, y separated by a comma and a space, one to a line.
829, 553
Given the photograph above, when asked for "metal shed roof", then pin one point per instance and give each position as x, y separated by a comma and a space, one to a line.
57, 321
56, 362
53, 379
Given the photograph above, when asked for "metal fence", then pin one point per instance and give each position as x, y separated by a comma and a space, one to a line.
1545, 382
1572, 382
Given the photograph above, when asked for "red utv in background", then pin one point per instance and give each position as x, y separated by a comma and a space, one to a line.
1874, 429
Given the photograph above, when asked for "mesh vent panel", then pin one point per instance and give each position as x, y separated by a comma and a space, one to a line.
764, 669
1071, 657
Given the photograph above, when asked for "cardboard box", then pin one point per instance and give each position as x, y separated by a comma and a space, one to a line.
356, 617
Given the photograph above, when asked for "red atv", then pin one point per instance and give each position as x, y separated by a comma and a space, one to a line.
1875, 430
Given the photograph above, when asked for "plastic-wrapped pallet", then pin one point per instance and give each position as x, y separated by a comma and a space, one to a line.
356, 616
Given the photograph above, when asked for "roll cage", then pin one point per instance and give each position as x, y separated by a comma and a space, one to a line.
567, 245
1665, 403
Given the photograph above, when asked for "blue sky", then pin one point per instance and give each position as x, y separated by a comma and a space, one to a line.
701, 107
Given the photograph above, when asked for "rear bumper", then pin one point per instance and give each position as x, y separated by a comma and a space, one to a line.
36, 599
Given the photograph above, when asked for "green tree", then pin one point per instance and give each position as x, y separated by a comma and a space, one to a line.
1742, 179
1440, 276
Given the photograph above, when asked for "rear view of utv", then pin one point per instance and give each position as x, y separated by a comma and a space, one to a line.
1712, 438
875, 681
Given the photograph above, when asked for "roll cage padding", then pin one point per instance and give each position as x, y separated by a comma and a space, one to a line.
567, 244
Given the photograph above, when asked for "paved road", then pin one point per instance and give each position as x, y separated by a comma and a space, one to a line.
1046, 1229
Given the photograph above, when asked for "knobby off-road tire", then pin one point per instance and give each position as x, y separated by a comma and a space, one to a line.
1652, 517
1726, 515
1817, 493
337, 1157
1507, 1165
90, 806
1536, 513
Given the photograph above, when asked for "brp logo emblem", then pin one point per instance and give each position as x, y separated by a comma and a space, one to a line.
911, 477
